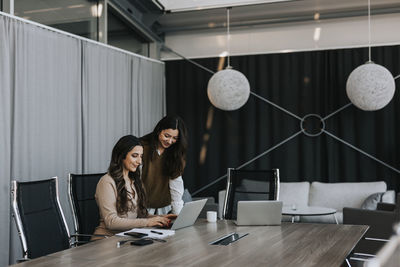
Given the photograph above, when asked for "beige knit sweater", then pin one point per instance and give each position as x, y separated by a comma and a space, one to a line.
110, 221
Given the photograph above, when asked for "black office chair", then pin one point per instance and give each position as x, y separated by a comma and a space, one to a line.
82, 188
249, 185
39, 218
389, 254
380, 222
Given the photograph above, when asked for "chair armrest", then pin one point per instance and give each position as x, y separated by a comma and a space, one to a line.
386, 206
74, 241
86, 235
23, 260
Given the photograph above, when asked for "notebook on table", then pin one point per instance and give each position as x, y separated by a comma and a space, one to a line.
260, 212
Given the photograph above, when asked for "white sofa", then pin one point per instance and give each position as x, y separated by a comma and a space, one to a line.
330, 195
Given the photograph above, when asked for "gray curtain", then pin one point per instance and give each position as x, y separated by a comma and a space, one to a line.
135, 77
64, 102
5, 137
46, 139
151, 96
106, 103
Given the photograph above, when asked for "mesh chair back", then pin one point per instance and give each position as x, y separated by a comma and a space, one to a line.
39, 218
249, 185
82, 188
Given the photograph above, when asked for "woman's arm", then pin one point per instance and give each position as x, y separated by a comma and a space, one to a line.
176, 190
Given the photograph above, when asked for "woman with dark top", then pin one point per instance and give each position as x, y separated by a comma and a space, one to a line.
163, 164
120, 195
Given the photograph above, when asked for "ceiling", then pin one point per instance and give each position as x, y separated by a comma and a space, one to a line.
157, 18
187, 5
271, 13
53, 11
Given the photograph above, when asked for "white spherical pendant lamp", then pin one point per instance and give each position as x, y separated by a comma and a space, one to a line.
370, 86
228, 89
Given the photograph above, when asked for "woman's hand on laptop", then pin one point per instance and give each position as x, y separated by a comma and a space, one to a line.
160, 221
170, 216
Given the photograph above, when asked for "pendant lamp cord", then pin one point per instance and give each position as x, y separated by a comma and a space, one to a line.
369, 30
228, 36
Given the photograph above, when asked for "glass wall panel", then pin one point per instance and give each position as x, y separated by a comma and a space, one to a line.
121, 35
75, 16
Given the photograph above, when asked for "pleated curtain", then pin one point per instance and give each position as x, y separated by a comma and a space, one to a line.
106, 104
5, 136
151, 100
303, 83
46, 139
64, 102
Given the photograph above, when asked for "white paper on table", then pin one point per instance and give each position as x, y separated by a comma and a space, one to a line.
147, 231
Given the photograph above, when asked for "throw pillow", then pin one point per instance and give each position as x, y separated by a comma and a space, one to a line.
371, 202
389, 197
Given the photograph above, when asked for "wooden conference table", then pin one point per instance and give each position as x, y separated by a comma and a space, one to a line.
291, 244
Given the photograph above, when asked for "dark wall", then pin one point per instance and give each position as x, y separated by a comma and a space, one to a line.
303, 83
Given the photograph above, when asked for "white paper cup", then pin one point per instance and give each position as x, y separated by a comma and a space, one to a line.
211, 216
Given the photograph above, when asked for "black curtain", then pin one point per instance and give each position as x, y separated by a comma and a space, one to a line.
303, 83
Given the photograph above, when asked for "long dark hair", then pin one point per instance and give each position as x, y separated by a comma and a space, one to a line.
115, 170
174, 156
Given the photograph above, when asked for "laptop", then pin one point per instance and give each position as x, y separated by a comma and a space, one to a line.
260, 212
189, 213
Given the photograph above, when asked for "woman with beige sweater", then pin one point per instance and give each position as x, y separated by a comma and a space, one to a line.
120, 195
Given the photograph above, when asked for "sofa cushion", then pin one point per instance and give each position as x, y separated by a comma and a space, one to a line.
294, 193
339, 195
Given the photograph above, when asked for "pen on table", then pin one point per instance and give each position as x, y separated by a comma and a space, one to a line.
155, 232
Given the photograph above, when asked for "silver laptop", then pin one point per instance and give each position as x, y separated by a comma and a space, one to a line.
188, 214
260, 212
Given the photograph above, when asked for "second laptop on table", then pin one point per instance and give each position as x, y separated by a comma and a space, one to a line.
259, 212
